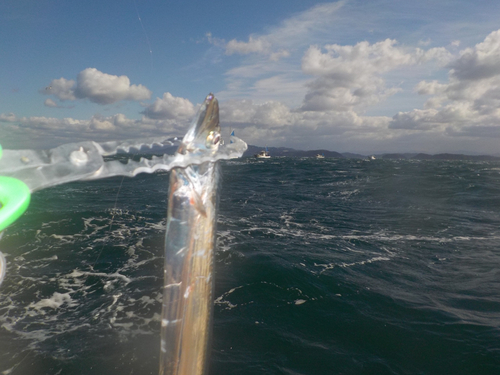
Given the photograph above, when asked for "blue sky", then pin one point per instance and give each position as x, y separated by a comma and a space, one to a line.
359, 76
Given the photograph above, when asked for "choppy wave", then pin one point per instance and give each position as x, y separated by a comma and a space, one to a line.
331, 266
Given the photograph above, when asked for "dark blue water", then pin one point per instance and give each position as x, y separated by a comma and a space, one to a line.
332, 266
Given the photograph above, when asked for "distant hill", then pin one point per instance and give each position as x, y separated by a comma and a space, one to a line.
455, 157
396, 156
423, 156
350, 155
285, 151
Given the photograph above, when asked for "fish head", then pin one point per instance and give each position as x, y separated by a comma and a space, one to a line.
204, 133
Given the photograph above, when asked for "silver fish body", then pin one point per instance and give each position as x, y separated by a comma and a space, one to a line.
189, 252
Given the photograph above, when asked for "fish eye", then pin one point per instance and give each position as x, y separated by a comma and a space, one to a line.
216, 139
213, 139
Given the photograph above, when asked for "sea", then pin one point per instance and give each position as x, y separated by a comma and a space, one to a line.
323, 266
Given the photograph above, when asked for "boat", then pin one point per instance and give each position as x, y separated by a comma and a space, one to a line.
320, 156
264, 154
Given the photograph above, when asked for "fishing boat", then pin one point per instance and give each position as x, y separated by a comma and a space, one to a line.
320, 156
264, 154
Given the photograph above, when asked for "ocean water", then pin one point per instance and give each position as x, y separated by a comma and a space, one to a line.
332, 266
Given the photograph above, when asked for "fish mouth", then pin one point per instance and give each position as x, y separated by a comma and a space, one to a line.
204, 132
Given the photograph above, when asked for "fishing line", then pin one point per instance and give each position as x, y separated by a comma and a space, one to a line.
111, 223
16, 365
145, 33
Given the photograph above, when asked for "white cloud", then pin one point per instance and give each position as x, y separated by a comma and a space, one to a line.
434, 102
50, 103
311, 79
275, 52
169, 116
8, 117
346, 76
439, 54
274, 123
275, 56
290, 34
348, 79
47, 123
349, 76
170, 107
259, 45
104, 88
469, 103
417, 119
62, 88
98, 87
218, 42
430, 88
254, 45
113, 127
480, 62
298, 29
270, 114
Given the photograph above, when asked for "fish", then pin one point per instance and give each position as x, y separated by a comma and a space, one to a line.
187, 305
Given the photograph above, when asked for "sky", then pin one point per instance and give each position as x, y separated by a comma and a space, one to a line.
349, 76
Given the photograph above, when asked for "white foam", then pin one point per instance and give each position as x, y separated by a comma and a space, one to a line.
330, 266
54, 302
221, 300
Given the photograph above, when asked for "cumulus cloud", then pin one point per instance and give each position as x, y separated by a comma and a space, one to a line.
349, 76
270, 114
97, 123
104, 88
170, 107
41, 122
50, 103
8, 117
275, 52
430, 88
416, 120
273, 122
98, 87
480, 62
62, 88
347, 79
337, 84
469, 103
169, 116
47, 132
